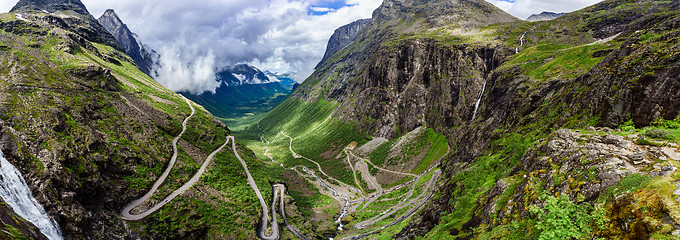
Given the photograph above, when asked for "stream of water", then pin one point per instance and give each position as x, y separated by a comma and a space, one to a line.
479, 100
345, 209
15, 192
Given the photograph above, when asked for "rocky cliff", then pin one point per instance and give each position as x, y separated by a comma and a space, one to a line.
496, 87
342, 37
395, 61
143, 56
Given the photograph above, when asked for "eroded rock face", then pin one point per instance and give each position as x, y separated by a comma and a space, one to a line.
68, 14
143, 57
342, 37
582, 167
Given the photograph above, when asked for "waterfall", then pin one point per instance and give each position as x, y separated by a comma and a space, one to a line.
15, 191
479, 100
521, 39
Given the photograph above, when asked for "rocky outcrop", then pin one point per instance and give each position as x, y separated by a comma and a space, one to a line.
51, 6
544, 16
10, 222
143, 56
342, 37
68, 14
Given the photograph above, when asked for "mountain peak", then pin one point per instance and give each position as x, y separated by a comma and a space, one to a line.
110, 13
342, 37
544, 16
143, 56
50, 6
442, 12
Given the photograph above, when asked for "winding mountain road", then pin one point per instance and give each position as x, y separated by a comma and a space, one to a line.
263, 234
279, 193
296, 155
423, 199
394, 209
125, 214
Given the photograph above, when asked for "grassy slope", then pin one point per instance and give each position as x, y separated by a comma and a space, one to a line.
549, 56
551, 53
322, 138
223, 212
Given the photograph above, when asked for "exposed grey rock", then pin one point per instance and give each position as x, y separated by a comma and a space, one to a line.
342, 37
544, 16
143, 56
72, 15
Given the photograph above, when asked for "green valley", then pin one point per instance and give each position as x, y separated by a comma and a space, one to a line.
434, 119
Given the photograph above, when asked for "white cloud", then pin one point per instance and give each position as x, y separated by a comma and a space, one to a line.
522, 9
185, 67
321, 9
276, 35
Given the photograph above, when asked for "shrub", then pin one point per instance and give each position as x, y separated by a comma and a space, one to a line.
563, 219
658, 133
675, 124
628, 126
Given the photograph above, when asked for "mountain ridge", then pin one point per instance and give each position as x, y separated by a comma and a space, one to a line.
342, 37
143, 57
70, 14
544, 16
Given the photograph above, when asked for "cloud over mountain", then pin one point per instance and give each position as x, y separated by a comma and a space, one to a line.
198, 39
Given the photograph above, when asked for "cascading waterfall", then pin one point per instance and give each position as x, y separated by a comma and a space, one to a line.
15, 191
521, 39
479, 100
481, 93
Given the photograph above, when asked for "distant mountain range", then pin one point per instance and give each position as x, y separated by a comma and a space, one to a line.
544, 16
245, 90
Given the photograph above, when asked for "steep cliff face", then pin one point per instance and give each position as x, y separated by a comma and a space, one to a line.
143, 57
342, 37
401, 75
496, 88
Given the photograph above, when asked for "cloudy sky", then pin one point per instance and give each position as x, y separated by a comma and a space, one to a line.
196, 38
